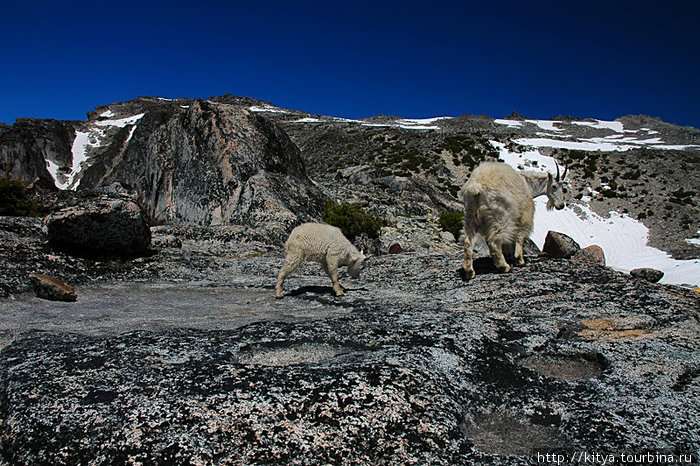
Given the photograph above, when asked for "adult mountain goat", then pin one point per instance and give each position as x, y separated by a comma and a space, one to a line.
324, 244
498, 204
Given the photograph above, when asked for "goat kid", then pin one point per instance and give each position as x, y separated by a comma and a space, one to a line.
324, 244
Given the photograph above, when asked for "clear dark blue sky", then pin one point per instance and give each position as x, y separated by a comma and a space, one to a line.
600, 59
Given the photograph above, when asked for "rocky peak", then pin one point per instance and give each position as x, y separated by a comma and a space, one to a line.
189, 160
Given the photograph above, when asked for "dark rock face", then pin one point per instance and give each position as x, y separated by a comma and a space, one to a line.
26, 146
211, 164
424, 368
51, 288
103, 227
648, 274
558, 245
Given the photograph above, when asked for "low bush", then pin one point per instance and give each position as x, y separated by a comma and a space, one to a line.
352, 219
452, 222
14, 200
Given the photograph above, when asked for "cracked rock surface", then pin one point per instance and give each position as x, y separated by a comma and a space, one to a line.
413, 365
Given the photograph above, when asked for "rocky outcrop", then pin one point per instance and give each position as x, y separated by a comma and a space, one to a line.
103, 228
29, 145
555, 357
190, 161
211, 164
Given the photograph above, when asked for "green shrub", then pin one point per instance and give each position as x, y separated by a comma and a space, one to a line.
14, 199
452, 222
352, 219
632, 174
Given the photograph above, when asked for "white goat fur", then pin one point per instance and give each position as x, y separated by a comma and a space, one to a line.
324, 244
498, 204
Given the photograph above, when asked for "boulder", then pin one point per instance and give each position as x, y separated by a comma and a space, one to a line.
447, 236
395, 248
100, 228
53, 289
647, 274
592, 253
559, 246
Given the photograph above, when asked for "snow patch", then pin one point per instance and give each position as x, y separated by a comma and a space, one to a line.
266, 108
418, 127
600, 124
423, 121
79, 150
602, 144
122, 122
308, 120
547, 125
694, 241
131, 133
529, 160
107, 114
509, 123
608, 146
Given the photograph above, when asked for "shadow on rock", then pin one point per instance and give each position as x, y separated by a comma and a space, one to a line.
319, 290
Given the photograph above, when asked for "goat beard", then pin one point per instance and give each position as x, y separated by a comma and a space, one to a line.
550, 204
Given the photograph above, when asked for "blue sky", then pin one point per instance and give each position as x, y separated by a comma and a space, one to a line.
357, 58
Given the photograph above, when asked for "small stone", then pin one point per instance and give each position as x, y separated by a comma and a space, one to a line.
166, 241
447, 236
593, 254
647, 274
50, 288
395, 249
559, 246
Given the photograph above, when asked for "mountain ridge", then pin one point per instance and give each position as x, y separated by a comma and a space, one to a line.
407, 170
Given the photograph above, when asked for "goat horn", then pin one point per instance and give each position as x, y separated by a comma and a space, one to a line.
555, 163
566, 170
